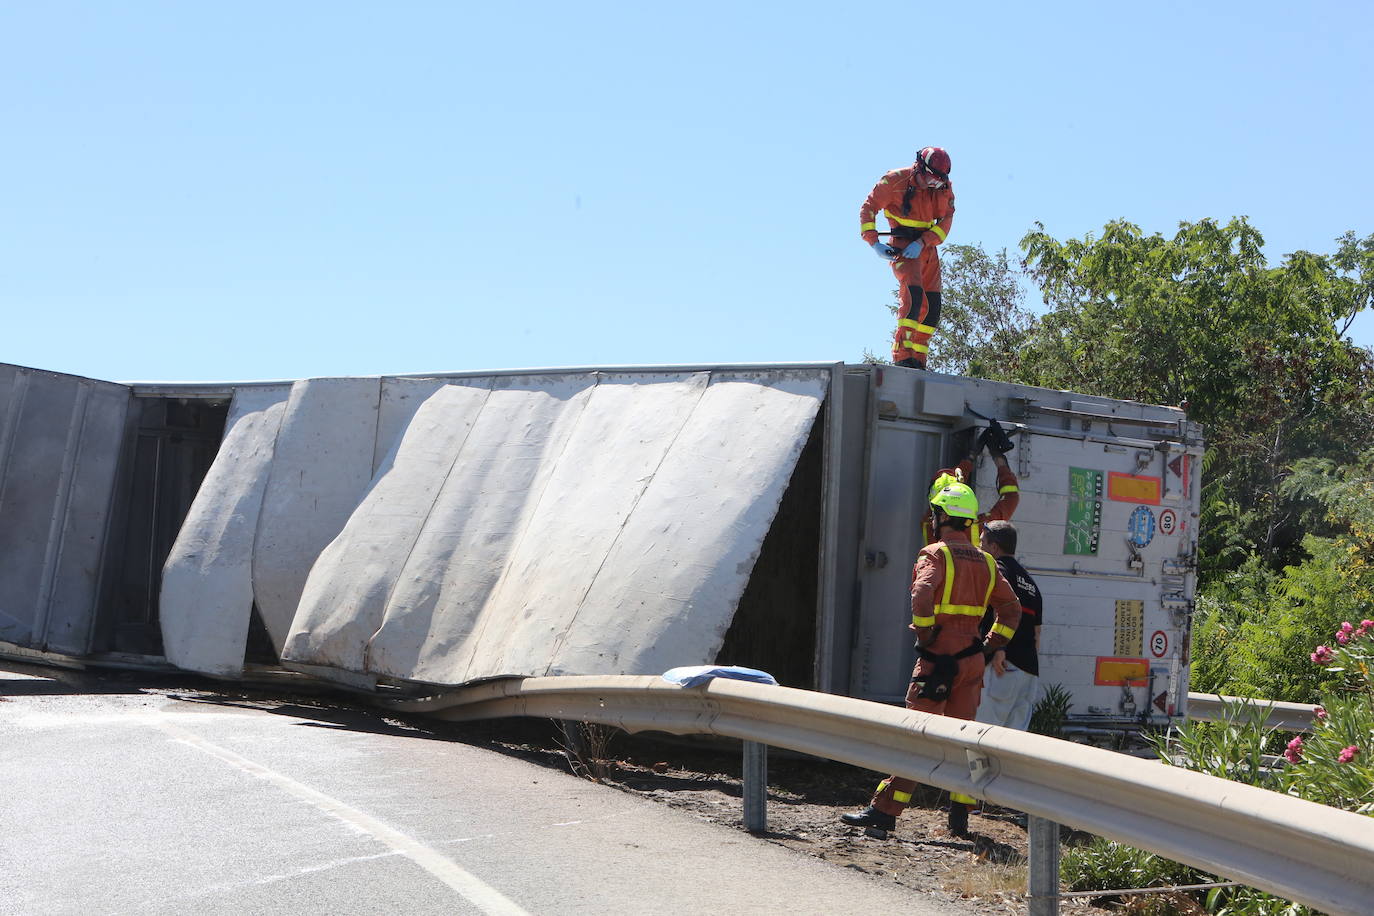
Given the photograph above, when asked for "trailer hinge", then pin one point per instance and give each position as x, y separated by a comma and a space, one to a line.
1178, 566
1177, 607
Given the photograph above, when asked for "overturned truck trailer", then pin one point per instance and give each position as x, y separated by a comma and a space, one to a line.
412, 531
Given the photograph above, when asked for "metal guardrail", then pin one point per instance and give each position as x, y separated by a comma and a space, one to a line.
1316, 855
1212, 707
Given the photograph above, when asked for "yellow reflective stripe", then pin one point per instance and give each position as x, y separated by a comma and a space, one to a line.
922, 621
925, 328
908, 323
867, 226
910, 223
1009, 488
1001, 629
903, 797
962, 610
949, 576
992, 577
962, 799
938, 231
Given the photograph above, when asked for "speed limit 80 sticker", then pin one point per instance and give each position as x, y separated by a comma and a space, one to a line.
1168, 522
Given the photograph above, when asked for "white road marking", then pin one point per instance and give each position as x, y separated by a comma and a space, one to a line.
214, 889
469, 886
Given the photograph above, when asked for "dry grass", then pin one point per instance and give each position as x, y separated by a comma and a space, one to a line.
982, 878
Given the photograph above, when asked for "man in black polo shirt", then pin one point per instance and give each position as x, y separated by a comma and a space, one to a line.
1012, 677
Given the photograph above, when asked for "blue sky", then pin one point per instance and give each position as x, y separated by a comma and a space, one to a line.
204, 191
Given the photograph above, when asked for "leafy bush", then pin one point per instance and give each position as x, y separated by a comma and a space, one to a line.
1333, 765
1050, 712
1103, 865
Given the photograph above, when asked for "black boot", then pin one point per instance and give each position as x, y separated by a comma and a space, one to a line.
910, 363
958, 819
876, 822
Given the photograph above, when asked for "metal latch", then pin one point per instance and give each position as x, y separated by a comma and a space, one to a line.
1177, 607
1178, 566
875, 559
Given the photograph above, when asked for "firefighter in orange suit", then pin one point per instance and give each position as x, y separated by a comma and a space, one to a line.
952, 583
998, 443
919, 205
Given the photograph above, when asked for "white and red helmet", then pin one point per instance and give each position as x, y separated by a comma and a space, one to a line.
932, 166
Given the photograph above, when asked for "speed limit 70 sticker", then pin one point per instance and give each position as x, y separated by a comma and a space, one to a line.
1159, 643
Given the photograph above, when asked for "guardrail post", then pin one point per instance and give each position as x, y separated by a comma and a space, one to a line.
1044, 866
755, 787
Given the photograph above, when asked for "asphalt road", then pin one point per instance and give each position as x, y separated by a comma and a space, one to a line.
116, 800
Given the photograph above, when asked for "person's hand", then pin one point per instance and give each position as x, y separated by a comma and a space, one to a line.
995, 439
999, 662
914, 249
885, 251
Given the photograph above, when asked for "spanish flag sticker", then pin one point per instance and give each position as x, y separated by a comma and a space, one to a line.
1128, 488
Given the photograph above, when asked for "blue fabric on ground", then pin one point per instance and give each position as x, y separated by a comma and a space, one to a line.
694, 675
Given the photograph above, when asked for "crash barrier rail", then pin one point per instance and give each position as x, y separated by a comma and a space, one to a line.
1211, 707
1310, 853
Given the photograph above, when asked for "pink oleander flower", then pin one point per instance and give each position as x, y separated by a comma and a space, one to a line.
1342, 638
1293, 752
1322, 655
1349, 754
1347, 627
1319, 712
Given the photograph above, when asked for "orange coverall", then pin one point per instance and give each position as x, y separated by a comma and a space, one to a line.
952, 584
911, 209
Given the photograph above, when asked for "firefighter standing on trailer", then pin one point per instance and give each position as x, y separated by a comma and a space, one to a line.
919, 205
951, 585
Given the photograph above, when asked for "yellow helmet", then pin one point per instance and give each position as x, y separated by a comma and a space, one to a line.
956, 499
944, 480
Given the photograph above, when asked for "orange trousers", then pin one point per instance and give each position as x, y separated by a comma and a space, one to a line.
918, 288
894, 793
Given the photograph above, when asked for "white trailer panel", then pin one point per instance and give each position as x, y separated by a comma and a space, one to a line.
207, 581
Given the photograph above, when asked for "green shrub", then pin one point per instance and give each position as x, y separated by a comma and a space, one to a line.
1051, 711
1333, 765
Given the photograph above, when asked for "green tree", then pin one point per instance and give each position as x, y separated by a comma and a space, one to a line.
983, 316
1256, 353
1255, 627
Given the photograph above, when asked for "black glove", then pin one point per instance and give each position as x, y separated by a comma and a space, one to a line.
995, 439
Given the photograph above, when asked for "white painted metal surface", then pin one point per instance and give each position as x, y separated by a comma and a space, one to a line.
1116, 566
322, 466
1211, 707
207, 582
60, 439
599, 522
346, 597
1320, 856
